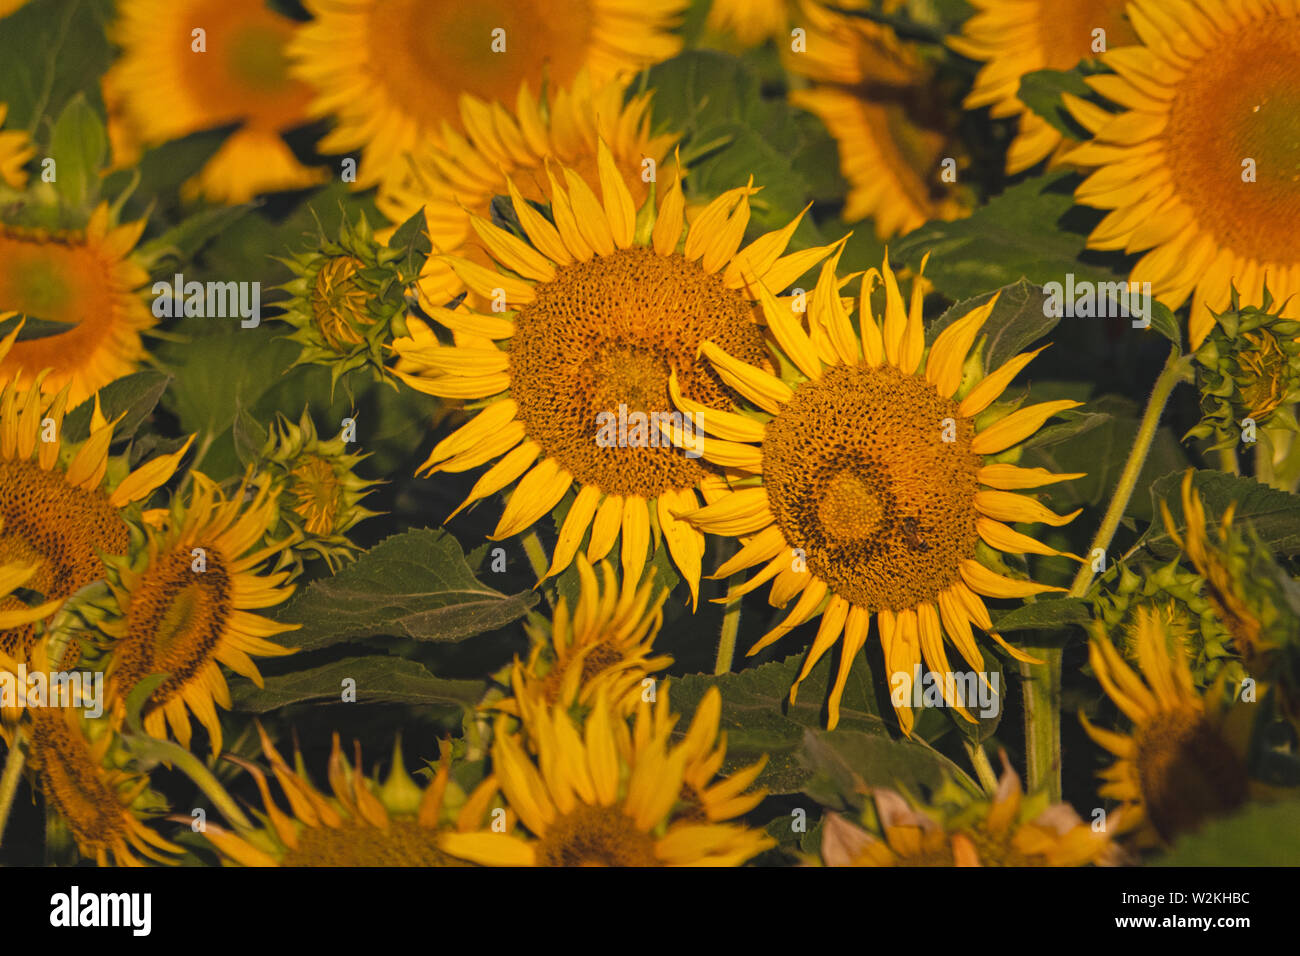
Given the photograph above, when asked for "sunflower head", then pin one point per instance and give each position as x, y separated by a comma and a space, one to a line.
164, 87
359, 821
79, 772
182, 605
79, 289
604, 304
348, 299
1011, 829
460, 175
873, 480
888, 112
605, 643
1248, 367
598, 793
1181, 763
1253, 597
63, 504
319, 491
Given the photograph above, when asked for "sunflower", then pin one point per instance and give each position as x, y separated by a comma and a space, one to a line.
607, 303
1015, 37
164, 87
879, 101
1201, 168
76, 764
458, 175
321, 494
86, 280
749, 22
598, 796
15, 150
606, 643
61, 505
1008, 830
1250, 593
183, 608
364, 823
1178, 766
869, 489
392, 71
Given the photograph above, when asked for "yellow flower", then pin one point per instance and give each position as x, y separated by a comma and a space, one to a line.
1015, 37
867, 489
1200, 169
604, 307
15, 150
605, 644
750, 22
877, 99
1008, 830
392, 72
364, 824
1176, 767
165, 87
104, 806
596, 795
86, 280
186, 610
61, 505
458, 175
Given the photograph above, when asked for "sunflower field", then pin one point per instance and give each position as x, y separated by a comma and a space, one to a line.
649, 433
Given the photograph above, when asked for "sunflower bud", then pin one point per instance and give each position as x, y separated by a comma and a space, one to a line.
348, 300
1248, 369
320, 494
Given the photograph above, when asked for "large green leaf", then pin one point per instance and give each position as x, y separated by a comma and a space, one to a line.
78, 146
378, 678
415, 584
1017, 321
1029, 231
1275, 515
1041, 91
133, 397
1260, 835
1050, 614
758, 718
844, 763
49, 52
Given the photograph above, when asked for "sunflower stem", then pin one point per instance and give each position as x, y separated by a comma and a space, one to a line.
983, 769
730, 628
1042, 682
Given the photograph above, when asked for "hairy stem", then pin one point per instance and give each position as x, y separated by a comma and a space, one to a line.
1042, 682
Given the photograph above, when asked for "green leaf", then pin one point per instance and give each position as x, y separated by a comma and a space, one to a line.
1166, 323
134, 397
379, 679
1017, 321
49, 52
33, 328
843, 762
412, 237
182, 242
1033, 230
1275, 515
415, 584
1260, 835
758, 718
249, 436
77, 147
1045, 614
1041, 91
